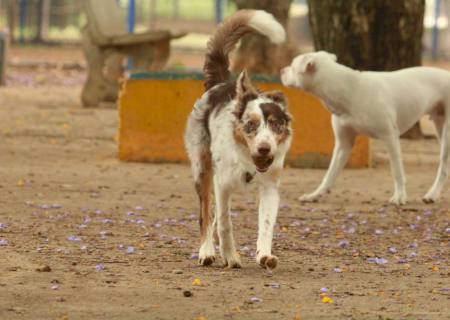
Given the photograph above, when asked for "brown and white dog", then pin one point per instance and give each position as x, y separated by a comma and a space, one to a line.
235, 135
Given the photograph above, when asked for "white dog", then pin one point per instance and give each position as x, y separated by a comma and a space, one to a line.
382, 105
236, 135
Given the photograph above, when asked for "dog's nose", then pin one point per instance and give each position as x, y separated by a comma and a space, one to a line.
264, 149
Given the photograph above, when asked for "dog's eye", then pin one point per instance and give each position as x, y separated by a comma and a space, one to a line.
251, 126
277, 126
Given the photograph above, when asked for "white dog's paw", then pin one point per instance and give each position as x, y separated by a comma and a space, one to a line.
310, 197
430, 198
267, 261
206, 256
398, 199
231, 260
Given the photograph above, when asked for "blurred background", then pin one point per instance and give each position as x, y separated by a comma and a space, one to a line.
42, 41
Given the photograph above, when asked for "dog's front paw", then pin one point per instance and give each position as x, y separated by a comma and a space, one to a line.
206, 256
232, 261
310, 197
398, 199
268, 262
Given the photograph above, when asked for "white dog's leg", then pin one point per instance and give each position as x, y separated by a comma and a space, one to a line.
395, 158
268, 210
224, 225
442, 174
344, 141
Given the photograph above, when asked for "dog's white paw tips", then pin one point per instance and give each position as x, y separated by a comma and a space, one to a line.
309, 198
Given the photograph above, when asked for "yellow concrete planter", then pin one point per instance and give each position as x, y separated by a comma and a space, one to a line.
154, 108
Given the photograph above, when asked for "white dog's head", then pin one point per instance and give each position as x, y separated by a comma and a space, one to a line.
262, 124
302, 71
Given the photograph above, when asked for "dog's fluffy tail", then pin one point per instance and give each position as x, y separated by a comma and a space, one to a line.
228, 34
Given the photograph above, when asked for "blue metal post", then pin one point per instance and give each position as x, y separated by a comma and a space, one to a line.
435, 43
131, 15
131, 24
23, 15
219, 11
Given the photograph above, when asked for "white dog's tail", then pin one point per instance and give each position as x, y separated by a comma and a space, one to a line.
229, 33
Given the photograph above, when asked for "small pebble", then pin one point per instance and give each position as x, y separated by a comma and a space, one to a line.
187, 293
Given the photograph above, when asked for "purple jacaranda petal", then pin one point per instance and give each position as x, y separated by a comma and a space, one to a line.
55, 287
3, 242
413, 245
343, 244
194, 256
295, 223
275, 285
255, 299
140, 221
98, 211
324, 289
403, 261
82, 226
379, 232
245, 249
56, 206
74, 238
138, 208
130, 213
447, 230
2, 226
120, 246
107, 221
412, 254
157, 225
130, 250
100, 267
44, 206
392, 250
350, 230
377, 260
337, 270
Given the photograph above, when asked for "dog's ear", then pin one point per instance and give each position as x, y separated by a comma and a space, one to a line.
308, 65
245, 92
244, 85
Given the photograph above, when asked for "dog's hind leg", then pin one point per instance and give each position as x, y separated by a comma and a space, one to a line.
197, 144
222, 194
442, 123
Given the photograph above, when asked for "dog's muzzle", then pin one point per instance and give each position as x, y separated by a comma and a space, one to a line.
262, 163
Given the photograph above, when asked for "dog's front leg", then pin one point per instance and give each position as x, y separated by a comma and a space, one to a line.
224, 226
268, 210
344, 141
395, 158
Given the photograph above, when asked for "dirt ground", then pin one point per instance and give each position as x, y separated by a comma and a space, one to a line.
83, 235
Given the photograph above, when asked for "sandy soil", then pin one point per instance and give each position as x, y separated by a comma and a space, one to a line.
120, 238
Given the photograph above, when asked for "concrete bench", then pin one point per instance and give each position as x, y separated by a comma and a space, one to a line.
106, 41
154, 109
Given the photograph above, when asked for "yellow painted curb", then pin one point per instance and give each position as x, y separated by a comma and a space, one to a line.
153, 115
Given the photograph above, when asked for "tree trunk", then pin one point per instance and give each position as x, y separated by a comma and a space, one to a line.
256, 53
377, 35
